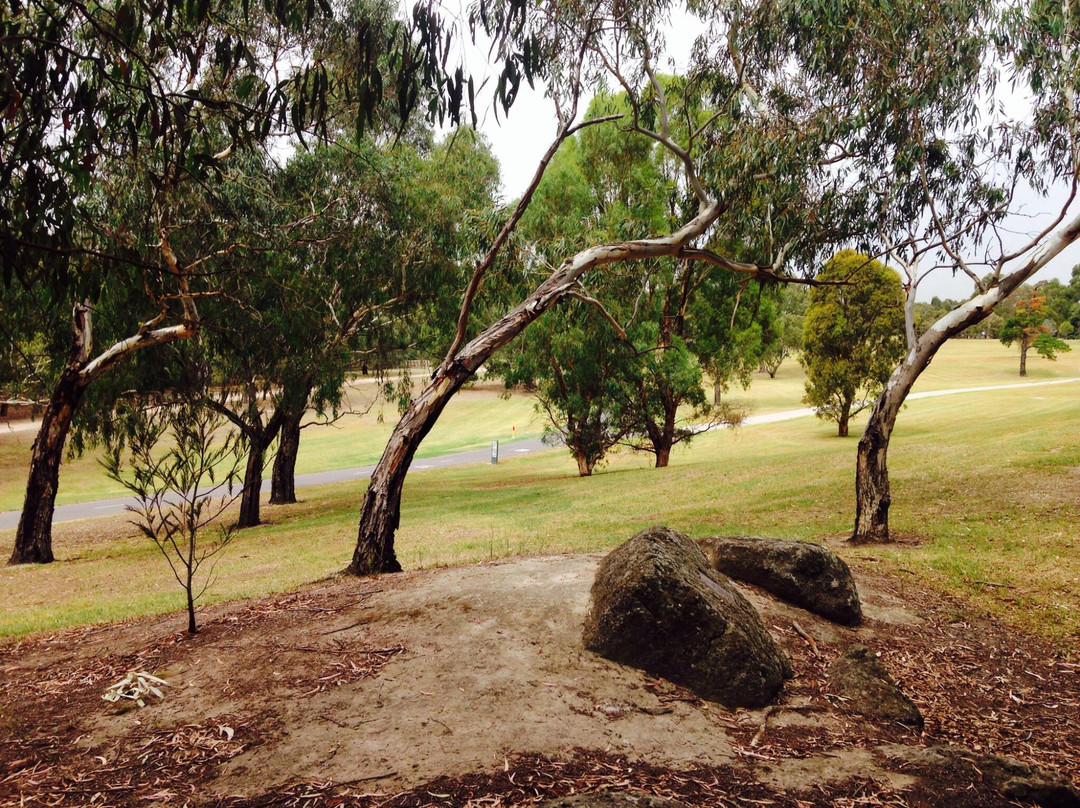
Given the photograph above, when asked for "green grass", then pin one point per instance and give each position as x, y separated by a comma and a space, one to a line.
988, 483
472, 420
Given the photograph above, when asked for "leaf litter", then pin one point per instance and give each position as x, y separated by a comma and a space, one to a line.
978, 684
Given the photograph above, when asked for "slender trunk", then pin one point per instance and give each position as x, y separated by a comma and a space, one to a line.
381, 510
283, 479
249, 499
1023, 356
191, 627
717, 393
33, 538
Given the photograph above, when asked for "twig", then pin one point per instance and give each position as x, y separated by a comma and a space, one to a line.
369, 778
989, 583
809, 640
764, 722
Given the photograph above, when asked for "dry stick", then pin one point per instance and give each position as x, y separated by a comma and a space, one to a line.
809, 640
764, 722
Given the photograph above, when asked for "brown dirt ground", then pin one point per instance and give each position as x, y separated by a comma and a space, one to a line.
470, 686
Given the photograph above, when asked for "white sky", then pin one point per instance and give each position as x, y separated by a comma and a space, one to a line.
520, 139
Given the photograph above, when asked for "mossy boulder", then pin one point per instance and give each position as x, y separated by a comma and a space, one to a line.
658, 604
806, 575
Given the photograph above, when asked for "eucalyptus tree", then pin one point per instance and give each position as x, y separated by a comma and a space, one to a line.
104, 103
168, 92
761, 154
386, 238
954, 181
627, 384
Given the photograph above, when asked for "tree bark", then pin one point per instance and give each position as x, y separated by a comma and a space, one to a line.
381, 509
872, 495
584, 467
191, 627
259, 437
283, 478
33, 538
844, 419
249, 499
1023, 355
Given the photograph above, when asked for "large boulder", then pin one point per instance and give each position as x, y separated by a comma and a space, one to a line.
807, 575
859, 677
658, 604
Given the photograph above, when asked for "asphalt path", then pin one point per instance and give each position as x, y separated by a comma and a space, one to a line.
112, 507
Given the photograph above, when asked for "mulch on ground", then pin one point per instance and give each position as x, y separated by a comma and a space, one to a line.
979, 685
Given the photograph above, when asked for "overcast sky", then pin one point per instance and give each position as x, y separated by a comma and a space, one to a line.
521, 138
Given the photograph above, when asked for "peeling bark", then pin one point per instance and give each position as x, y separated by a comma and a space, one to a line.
872, 496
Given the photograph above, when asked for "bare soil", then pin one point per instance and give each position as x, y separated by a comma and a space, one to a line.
470, 686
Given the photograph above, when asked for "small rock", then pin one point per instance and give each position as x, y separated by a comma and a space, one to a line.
1010, 777
658, 604
860, 677
807, 575
612, 799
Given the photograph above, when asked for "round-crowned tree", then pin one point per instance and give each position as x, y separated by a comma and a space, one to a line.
853, 336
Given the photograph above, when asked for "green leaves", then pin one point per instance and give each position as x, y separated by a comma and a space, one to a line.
853, 335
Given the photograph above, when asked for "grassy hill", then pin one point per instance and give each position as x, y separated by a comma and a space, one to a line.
986, 488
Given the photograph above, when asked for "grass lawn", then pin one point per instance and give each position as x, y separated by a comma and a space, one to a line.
985, 494
471, 421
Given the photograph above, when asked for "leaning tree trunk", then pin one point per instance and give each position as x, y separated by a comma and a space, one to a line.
33, 538
381, 510
871, 475
872, 496
283, 478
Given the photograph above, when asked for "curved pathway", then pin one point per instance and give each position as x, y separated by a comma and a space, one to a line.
112, 507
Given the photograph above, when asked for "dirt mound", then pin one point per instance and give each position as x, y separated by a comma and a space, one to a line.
472, 684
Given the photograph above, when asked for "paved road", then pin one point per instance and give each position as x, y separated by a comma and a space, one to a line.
111, 507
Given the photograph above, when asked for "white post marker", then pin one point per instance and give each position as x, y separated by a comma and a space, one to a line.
494, 453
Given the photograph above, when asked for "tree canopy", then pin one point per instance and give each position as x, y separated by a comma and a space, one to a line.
853, 336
